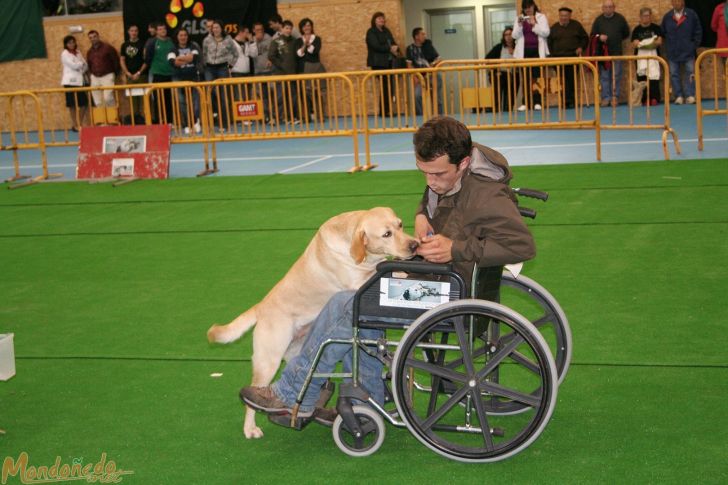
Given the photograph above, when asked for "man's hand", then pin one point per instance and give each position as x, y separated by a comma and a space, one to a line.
435, 249
422, 227
603, 37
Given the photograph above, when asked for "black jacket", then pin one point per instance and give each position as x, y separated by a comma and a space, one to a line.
378, 45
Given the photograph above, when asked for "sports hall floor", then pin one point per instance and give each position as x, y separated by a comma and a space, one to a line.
109, 292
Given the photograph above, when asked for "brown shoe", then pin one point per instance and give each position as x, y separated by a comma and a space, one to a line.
263, 399
605, 103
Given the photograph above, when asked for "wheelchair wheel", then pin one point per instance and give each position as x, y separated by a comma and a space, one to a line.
533, 301
372, 427
469, 377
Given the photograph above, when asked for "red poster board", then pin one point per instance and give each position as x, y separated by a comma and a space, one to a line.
124, 152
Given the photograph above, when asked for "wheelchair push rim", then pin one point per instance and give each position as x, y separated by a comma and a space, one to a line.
473, 432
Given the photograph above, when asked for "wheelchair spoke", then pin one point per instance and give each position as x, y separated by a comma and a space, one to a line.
483, 418
447, 406
525, 362
436, 370
464, 347
547, 317
498, 390
499, 356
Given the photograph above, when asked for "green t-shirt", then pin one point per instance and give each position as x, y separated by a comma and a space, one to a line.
160, 64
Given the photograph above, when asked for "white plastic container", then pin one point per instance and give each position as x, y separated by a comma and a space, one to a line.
7, 356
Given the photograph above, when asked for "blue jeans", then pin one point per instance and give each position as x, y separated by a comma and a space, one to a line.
438, 95
605, 79
195, 95
334, 321
686, 88
218, 72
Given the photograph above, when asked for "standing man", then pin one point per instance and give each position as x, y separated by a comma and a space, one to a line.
156, 53
258, 51
467, 216
282, 55
422, 54
133, 66
683, 33
103, 64
612, 29
567, 39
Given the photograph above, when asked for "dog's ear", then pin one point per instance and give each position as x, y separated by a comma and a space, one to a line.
358, 249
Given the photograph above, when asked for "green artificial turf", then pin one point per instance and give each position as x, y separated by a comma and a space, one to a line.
110, 291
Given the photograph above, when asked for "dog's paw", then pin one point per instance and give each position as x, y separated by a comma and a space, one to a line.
212, 334
253, 432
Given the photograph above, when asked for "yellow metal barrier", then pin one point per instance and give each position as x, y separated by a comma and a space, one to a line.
638, 117
24, 121
481, 95
719, 73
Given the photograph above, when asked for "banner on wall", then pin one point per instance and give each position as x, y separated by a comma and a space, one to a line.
193, 15
21, 31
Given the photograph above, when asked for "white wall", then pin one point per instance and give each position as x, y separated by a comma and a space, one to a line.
415, 16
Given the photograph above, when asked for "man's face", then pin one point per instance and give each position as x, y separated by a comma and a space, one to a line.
646, 18
608, 8
259, 32
564, 17
133, 32
274, 25
94, 38
421, 37
286, 30
678, 4
162, 31
441, 175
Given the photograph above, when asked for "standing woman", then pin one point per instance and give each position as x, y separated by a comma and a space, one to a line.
74, 70
381, 50
531, 32
220, 54
183, 59
504, 51
308, 49
719, 24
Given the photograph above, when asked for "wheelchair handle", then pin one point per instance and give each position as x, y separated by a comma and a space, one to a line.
526, 212
414, 267
534, 194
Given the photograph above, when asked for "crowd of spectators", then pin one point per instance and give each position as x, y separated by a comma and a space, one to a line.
254, 52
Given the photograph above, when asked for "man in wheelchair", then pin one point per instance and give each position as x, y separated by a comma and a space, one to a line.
467, 216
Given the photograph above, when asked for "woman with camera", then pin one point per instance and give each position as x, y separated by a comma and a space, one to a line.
531, 32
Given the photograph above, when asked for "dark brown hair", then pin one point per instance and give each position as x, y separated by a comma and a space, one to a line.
442, 136
375, 16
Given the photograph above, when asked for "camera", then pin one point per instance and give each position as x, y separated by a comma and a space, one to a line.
523, 18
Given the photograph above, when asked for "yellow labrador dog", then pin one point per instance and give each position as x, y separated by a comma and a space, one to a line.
341, 256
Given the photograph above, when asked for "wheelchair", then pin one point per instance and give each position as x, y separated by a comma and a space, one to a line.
471, 379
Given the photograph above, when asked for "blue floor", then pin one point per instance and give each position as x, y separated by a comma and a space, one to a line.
394, 152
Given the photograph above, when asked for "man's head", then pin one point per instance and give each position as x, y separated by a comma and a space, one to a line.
678, 5
287, 28
608, 8
645, 16
243, 33
442, 148
93, 37
275, 22
258, 31
419, 35
133, 32
161, 31
564, 16
152, 29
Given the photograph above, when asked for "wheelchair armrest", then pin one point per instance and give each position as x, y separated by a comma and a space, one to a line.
414, 267
533, 193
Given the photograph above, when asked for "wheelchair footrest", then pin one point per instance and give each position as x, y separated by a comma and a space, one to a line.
285, 421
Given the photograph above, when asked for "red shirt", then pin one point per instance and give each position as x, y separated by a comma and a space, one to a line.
102, 60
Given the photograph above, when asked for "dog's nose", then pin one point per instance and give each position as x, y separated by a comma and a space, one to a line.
413, 245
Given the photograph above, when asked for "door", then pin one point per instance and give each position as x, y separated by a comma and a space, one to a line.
452, 33
495, 19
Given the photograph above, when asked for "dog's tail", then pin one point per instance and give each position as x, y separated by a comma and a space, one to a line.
225, 334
